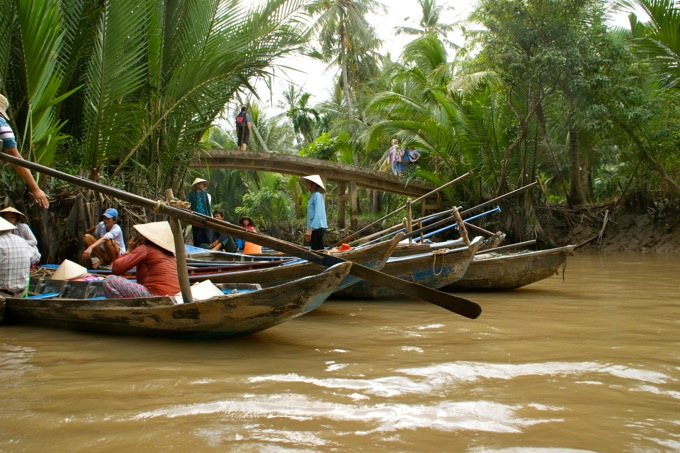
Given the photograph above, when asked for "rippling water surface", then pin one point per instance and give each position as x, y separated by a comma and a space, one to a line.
590, 362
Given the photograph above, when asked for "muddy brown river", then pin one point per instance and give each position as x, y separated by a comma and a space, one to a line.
590, 362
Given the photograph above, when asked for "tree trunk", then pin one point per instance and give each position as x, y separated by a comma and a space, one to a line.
576, 196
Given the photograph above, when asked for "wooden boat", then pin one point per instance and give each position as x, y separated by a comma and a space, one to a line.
197, 256
77, 305
498, 272
374, 256
48, 269
406, 248
433, 269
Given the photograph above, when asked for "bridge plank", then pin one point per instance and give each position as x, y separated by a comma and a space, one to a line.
301, 166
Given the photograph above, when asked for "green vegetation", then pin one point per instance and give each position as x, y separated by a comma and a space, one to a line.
126, 92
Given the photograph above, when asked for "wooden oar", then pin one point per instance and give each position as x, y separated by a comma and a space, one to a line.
455, 304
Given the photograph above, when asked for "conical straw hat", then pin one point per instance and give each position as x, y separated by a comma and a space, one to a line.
5, 225
316, 179
68, 270
4, 105
159, 233
15, 211
197, 180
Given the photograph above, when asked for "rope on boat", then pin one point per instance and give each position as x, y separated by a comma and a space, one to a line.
441, 252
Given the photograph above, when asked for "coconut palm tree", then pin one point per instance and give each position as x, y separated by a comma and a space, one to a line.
659, 38
347, 40
430, 22
149, 77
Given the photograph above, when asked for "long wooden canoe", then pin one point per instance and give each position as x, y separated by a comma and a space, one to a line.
434, 270
232, 314
374, 256
500, 272
198, 256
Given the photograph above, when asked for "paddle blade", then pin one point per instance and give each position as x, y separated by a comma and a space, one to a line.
455, 304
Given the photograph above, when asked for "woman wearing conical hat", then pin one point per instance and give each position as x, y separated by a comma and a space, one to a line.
153, 255
18, 219
200, 200
316, 212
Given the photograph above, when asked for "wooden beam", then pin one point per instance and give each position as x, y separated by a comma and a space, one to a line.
301, 166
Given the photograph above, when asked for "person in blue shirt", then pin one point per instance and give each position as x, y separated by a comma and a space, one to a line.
316, 212
9, 146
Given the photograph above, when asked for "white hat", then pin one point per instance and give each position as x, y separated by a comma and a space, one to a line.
15, 211
5, 225
316, 179
68, 270
198, 180
159, 233
4, 105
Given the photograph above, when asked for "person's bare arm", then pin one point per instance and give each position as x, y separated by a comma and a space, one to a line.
26, 175
88, 251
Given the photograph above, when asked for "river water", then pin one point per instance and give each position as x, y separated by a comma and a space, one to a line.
588, 362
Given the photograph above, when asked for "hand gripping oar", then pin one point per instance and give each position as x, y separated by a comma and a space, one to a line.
455, 304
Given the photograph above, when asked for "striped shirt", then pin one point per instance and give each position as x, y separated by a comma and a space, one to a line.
15, 262
7, 134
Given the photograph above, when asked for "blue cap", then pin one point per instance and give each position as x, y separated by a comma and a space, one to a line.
110, 213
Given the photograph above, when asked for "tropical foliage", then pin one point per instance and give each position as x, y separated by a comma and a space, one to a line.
542, 90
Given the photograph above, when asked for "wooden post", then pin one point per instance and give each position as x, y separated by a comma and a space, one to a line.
342, 200
409, 220
180, 254
353, 220
461, 226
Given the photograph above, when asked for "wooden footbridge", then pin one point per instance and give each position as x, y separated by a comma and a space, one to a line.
347, 177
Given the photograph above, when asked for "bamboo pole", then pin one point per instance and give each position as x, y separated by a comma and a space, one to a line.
180, 254
401, 208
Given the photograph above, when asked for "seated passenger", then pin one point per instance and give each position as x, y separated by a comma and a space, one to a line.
224, 242
153, 255
16, 257
18, 219
107, 243
249, 248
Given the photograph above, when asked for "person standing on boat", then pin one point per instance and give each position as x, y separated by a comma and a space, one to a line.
199, 199
316, 212
104, 241
18, 219
152, 253
16, 257
9, 146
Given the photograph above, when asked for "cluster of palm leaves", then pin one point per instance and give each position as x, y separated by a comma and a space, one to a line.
124, 90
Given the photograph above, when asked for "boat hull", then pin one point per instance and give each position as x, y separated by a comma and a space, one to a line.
374, 256
434, 270
223, 316
493, 272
